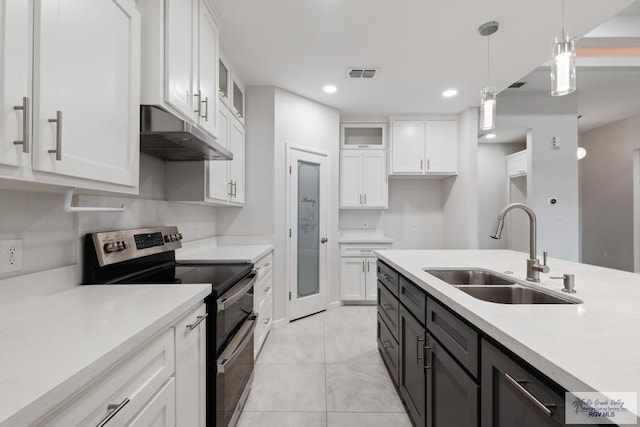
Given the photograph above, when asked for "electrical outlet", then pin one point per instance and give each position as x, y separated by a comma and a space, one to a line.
555, 143
10, 256
365, 225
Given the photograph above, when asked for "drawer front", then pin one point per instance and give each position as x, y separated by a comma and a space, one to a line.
264, 265
138, 379
389, 349
265, 319
262, 290
454, 334
414, 299
388, 277
361, 250
388, 309
160, 411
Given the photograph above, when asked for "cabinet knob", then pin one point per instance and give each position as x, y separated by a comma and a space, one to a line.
324, 240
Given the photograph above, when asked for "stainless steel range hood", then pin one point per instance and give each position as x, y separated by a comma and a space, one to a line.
166, 136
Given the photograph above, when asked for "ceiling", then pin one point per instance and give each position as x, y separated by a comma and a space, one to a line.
420, 47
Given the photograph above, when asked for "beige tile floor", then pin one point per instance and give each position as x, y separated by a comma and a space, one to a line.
324, 370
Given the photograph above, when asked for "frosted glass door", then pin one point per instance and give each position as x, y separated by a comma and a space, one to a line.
308, 243
308, 230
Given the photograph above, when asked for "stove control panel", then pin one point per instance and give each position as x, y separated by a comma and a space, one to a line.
117, 246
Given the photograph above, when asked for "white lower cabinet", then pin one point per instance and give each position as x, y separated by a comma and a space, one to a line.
263, 300
358, 275
161, 383
191, 343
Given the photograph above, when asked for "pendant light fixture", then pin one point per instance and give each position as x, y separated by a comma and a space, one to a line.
488, 94
563, 63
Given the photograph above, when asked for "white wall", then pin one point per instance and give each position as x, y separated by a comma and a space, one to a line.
460, 225
492, 189
606, 192
52, 237
552, 173
302, 122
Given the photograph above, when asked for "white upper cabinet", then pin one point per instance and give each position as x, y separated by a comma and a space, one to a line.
363, 179
86, 90
15, 86
238, 99
180, 55
208, 73
407, 147
70, 87
181, 22
425, 147
442, 147
362, 136
224, 80
517, 163
231, 89
236, 173
219, 185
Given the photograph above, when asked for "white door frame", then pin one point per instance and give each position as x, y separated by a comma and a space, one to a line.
289, 282
636, 210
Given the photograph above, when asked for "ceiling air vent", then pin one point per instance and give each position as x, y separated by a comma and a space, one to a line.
517, 85
362, 73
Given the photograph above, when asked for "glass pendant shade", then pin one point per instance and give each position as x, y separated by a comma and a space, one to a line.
563, 67
488, 108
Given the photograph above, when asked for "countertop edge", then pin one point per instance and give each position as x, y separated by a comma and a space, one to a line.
76, 384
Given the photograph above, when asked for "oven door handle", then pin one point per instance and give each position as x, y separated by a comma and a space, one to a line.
237, 344
237, 291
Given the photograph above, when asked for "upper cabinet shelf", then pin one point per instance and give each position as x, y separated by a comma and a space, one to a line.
363, 136
231, 89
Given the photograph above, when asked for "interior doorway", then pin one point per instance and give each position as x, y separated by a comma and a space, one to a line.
307, 228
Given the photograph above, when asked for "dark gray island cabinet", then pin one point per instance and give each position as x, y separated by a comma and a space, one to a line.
448, 373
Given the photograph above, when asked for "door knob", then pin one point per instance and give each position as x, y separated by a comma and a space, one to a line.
323, 240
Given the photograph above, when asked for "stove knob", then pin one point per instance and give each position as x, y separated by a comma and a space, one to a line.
174, 237
179, 236
167, 238
120, 246
109, 247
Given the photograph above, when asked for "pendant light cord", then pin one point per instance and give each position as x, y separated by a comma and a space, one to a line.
488, 62
563, 33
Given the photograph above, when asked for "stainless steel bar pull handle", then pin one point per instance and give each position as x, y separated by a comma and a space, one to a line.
114, 408
199, 319
230, 193
421, 164
58, 122
25, 124
420, 349
516, 383
206, 109
365, 198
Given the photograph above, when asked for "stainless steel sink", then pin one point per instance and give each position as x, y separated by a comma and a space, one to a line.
489, 286
470, 277
512, 295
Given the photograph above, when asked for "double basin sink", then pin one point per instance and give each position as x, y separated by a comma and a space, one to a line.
489, 286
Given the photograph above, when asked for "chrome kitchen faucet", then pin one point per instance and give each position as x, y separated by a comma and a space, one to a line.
533, 265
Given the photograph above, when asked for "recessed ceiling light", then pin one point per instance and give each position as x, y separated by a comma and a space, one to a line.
449, 93
490, 135
330, 89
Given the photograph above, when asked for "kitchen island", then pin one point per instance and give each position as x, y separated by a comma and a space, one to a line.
590, 346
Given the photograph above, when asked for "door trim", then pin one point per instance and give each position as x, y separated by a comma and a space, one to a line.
288, 279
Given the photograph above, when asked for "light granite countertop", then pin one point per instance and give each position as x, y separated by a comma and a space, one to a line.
56, 344
591, 346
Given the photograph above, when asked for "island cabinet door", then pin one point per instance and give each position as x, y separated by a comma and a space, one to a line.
412, 367
512, 395
452, 396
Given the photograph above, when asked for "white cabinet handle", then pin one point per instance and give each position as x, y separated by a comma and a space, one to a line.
114, 408
25, 124
58, 122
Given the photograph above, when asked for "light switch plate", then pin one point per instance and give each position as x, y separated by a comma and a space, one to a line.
555, 143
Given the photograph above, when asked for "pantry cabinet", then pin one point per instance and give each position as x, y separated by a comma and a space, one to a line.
80, 126
424, 147
363, 179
